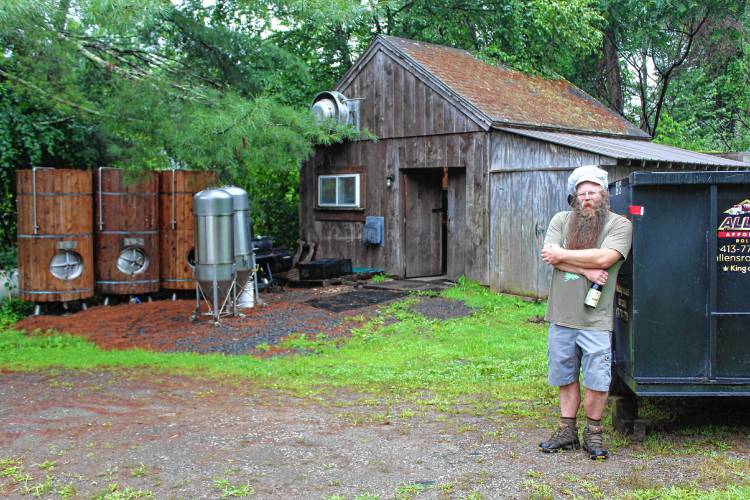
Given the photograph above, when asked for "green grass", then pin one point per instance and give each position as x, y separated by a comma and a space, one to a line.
686, 493
493, 354
380, 278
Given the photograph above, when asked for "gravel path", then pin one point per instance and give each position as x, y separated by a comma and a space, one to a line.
175, 437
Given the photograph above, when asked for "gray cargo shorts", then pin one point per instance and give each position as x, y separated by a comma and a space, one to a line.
569, 350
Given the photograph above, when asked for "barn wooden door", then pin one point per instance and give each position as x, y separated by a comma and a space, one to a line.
423, 222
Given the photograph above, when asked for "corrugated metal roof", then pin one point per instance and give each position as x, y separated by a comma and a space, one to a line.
510, 97
627, 149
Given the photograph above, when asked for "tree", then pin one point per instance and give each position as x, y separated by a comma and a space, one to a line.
649, 47
542, 36
156, 84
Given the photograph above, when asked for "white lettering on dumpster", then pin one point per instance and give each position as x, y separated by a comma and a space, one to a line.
733, 234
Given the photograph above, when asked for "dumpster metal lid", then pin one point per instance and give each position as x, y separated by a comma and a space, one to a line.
704, 177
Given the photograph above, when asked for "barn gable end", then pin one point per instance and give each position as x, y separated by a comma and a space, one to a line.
398, 101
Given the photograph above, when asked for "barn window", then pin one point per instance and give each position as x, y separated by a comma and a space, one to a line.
338, 190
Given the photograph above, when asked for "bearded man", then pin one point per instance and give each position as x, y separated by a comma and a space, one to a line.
586, 245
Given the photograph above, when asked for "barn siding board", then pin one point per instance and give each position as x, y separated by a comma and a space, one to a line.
377, 83
456, 223
428, 110
420, 102
389, 91
306, 225
399, 101
392, 212
438, 115
409, 102
475, 150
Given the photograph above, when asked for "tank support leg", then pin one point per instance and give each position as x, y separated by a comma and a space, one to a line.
196, 313
234, 299
37, 309
106, 301
625, 417
216, 301
84, 306
174, 296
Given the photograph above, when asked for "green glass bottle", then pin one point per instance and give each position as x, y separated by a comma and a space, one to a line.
592, 297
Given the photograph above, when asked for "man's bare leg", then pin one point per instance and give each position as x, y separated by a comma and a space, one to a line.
570, 399
594, 403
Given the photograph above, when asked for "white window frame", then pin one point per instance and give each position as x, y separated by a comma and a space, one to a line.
338, 178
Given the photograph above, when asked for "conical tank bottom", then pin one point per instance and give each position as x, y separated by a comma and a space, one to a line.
223, 288
219, 276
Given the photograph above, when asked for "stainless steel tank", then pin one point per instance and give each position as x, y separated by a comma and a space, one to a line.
214, 246
243, 246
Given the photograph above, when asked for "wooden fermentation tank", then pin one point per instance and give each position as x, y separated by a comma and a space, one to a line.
177, 234
55, 234
127, 233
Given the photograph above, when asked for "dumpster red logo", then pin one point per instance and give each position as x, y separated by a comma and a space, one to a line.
736, 224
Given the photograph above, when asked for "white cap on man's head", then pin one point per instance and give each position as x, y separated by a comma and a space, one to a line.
587, 173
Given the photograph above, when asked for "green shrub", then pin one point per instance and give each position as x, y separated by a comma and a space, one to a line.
9, 258
13, 310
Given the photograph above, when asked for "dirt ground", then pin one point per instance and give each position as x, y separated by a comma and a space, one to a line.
165, 325
135, 433
174, 437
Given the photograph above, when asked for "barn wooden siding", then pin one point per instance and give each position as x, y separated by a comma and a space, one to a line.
397, 104
339, 232
528, 179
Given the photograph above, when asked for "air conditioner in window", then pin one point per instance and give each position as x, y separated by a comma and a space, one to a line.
332, 105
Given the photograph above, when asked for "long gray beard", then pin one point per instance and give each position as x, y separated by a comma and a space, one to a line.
584, 228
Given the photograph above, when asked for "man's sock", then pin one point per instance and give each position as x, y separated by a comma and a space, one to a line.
590, 422
568, 422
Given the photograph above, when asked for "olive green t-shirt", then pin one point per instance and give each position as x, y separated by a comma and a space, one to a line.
568, 290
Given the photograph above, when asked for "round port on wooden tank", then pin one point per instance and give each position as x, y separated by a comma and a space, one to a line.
177, 231
126, 228
55, 234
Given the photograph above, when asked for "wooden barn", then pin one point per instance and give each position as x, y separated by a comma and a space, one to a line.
470, 164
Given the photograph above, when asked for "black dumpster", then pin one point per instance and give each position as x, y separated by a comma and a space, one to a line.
682, 302
683, 295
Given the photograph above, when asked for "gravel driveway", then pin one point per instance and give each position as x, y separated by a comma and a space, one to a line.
137, 433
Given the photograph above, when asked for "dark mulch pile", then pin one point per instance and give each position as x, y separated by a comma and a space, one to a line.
354, 300
440, 308
165, 325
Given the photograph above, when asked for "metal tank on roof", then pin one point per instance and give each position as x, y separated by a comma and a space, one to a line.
215, 263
